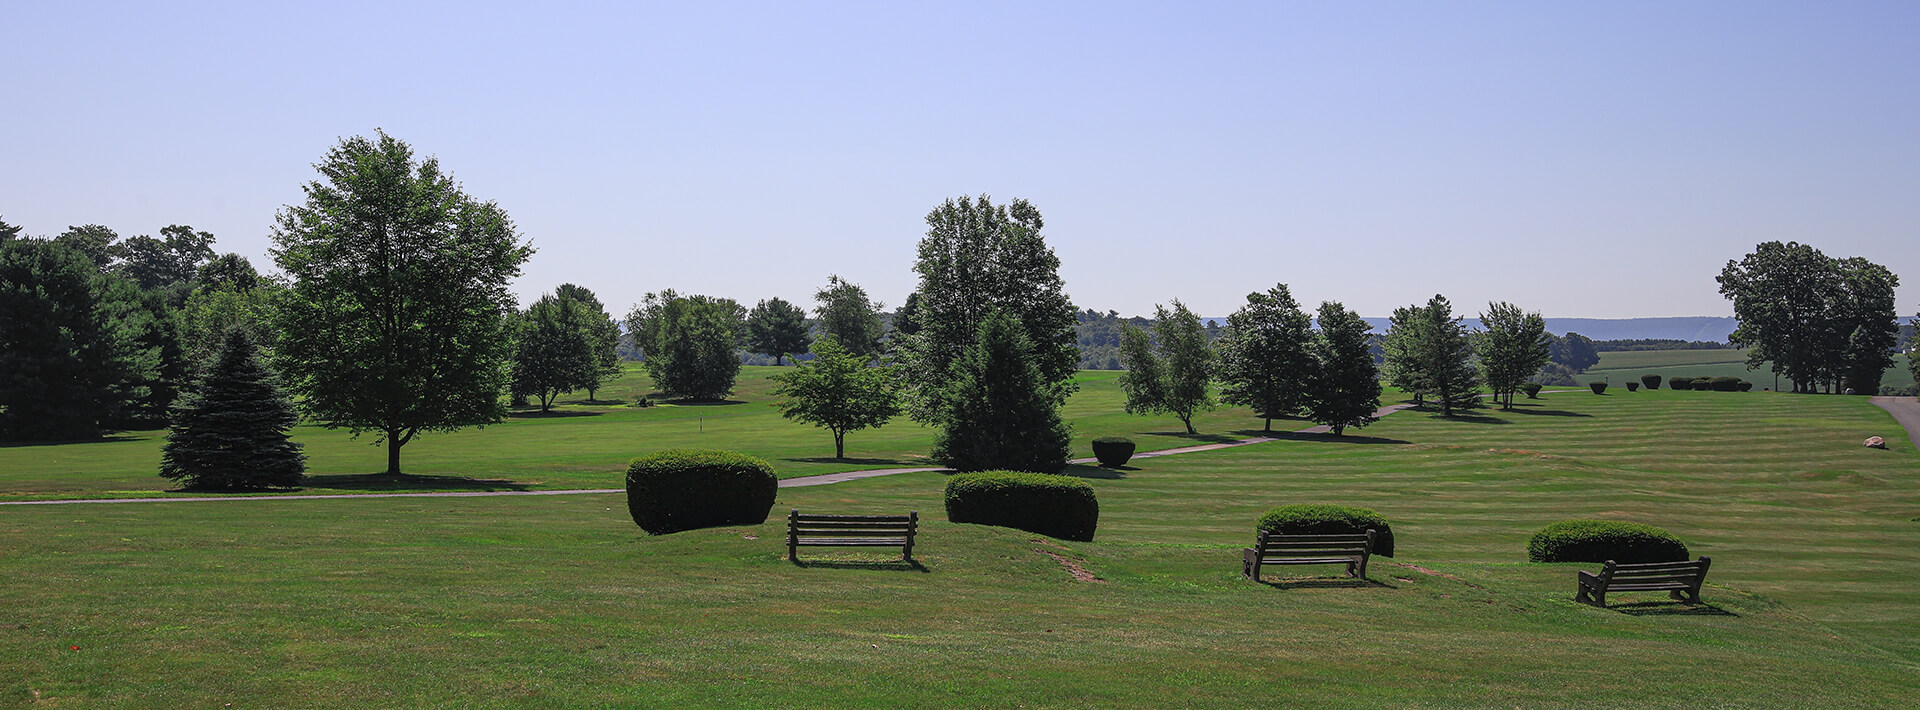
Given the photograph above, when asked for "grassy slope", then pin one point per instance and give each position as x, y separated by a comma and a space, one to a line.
1624, 366
582, 445
560, 601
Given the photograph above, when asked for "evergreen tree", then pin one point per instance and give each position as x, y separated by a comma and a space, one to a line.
67, 357
1344, 390
230, 430
8, 232
1444, 353
691, 343
1002, 416
1398, 350
846, 315
602, 333
1512, 348
777, 328
1178, 379
555, 351
837, 390
1264, 358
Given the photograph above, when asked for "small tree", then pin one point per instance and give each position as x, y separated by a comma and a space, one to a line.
1512, 348
1344, 390
777, 328
1175, 380
602, 334
230, 431
555, 351
1003, 415
1432, 354
847, 316
837, 391
690, 343
1264, 363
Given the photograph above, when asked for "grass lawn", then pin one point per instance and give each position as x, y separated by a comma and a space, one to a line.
1620, 367
584, 444
560, 601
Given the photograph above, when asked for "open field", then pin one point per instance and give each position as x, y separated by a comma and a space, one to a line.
507, 602
1619, 367
583, 445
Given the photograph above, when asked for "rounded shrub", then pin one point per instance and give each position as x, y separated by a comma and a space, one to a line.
1603, 540
1725, 384
1113, 451
684, 489
1651, 381
1680, 383
1746, 386
1056, 506
1702, 384
1597, 387
1633, 386
1532, 389
1313, 519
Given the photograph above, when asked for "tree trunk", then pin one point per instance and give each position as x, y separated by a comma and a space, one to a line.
393, 452
1188, 420
1269, 424
839, 444
779, 360
590, 395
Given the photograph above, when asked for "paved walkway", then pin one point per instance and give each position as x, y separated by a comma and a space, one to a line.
820, 480
1905, 410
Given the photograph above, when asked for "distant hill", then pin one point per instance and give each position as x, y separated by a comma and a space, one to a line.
1707, 328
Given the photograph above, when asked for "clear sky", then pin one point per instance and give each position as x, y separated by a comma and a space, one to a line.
1579, 159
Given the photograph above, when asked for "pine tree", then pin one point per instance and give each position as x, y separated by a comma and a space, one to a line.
230, 431
1264, 363
777, 328
1003, 414
1344, 390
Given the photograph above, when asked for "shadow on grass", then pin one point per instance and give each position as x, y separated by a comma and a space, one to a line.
1326, 437
552, 414
108, 439
1531, 411
409, 482
1197, 438
882, 565
1081, 470
1325, 583
1669, 609
890, 463
1459, 416
703, 402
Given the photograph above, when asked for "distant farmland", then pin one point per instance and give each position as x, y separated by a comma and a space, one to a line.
1620, 367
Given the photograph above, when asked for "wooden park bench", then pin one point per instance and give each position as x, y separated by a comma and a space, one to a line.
809, 530
1681, 580
1275, 549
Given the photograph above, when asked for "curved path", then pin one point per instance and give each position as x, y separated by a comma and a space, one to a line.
1906, 411
820, 480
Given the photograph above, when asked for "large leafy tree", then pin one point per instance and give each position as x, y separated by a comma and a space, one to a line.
690, 343
69, 359
1820, 320
1865, 315
778, 328
1171, 372
1573, 351
845, 313
1429, 353
837, 390
602, 334
1264, 358
396, 320
1511, 349
1002, 415
977, 258
99, 243
175, 257
231, 428
1344, 390
554, 353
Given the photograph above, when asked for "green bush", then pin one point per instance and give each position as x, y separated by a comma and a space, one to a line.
1597, 387
1113, 451
684, 489
1633, 386
1057, 506
1725, 384
1603, 540
1702, 384
1680, 383
1651, 381
1311, 519
1746, 386
1532, 389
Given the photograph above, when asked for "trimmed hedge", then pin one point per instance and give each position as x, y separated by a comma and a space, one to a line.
1312, 519
1532, 389
1725, 384
1603, 540
1597, 387
1680, 383
1651, 381
1056, 506
685, 489
1746, 386
1633, 386
1113, 451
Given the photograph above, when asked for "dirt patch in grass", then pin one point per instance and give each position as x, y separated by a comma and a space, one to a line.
1074, 566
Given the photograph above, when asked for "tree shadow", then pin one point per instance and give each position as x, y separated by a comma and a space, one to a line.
1547, 412
1326, 437
894, 565
1472, 418
409, 482
703, 402
850, 461
1081, 470
107, 439
1201, 438
552, 414
1324, 583
1670, 609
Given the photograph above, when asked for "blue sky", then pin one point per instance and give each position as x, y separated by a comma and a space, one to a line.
1583, 161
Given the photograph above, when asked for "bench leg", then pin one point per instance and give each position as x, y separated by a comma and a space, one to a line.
1250, 565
